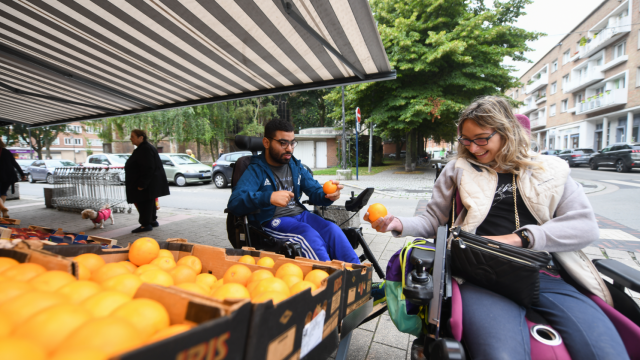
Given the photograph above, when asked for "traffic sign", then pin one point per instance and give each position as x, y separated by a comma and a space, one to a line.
358, 114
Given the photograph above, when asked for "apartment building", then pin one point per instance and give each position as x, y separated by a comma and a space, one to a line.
585, 92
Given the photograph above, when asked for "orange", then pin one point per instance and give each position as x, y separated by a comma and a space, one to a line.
169, 332
376, 211
92, 261
164, 263
192, 262
12, 288
6, 262
22, 307
109, 335
231, 291
206, 280
291, 280
5, 326
50, 327
238, 274
266, 262
270, 284
247, 259
23, 272
83, 272
2, 278
302, 285
195, 288
216, 285
157, 276
131, 266
51, 280
144, 268
13, 348
81, 355
329, 187
108, 271
146, 315
127, 284
252, 285
316, 276
143, 251
289, 269
258, 275
165, 253
183, 274
104, 302
79, 291
274, 296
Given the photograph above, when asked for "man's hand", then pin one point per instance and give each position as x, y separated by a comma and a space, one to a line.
281, 198
384, 224
336, 195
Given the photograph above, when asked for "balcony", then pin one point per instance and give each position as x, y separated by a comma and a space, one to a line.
538, 120
593, 75
611, 33
538, 83
528, 106
541, 100
613, 98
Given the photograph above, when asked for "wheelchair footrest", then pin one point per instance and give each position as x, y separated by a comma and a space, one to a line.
362, 258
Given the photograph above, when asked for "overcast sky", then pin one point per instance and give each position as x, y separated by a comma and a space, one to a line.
555, 18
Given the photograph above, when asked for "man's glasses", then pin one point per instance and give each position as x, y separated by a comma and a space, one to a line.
478, 141
285, 143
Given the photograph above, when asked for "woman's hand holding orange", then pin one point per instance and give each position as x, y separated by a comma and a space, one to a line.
384, 224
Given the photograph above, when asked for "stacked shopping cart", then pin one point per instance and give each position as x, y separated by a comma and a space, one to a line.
79, 188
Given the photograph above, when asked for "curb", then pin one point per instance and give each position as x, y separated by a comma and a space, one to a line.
377, 191
599, 186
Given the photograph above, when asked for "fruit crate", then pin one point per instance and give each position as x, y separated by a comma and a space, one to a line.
7, 221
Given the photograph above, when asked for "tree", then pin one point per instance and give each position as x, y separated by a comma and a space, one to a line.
309, 108
42, 137
446, 53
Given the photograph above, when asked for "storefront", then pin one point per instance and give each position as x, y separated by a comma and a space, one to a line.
22, 153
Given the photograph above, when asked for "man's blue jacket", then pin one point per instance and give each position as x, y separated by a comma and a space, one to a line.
256, 185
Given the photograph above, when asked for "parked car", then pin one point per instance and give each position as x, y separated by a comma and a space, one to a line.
24, 165
42, 170
106, 160
182, 169
550, 152
623, 157
223, 169
576, 157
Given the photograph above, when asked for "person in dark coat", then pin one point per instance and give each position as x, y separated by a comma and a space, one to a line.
145, 180
8, 176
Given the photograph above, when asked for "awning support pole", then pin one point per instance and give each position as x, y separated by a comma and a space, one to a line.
56, 99
288, 7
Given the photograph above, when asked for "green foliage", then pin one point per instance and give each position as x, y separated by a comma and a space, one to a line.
309, 108
41, 138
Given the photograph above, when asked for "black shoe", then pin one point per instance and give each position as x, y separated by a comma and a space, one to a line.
155, 224
142, 229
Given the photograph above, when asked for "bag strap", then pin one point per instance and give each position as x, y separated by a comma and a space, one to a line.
403, 258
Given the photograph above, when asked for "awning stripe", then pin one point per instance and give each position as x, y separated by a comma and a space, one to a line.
342, 9
369, 31
55, 108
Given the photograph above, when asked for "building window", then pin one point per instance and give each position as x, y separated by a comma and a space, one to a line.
566, 56
516, 94
554, 87
565, 81
554, 66
69, 141
552, 110
619, 83
564, 105
74, 128
618, 50
638, 77
56, 142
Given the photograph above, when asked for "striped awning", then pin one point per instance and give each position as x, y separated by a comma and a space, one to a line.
64, 61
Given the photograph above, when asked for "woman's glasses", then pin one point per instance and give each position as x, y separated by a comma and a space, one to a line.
478, 141
285, 143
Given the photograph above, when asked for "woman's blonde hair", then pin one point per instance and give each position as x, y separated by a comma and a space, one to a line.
2, 145
495, 113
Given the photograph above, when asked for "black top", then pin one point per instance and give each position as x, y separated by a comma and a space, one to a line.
501, 219
8, 168
284, 181
144, 170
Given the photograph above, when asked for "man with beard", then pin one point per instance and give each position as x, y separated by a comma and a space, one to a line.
273, 183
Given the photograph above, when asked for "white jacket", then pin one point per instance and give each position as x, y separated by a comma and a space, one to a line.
566, 222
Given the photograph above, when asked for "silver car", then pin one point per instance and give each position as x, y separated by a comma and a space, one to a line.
182, 169
42, 170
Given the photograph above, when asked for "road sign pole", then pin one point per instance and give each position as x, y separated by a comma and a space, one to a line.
344, 136
370, 143
358, 116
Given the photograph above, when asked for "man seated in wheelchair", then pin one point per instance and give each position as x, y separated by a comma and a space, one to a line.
273, 183
508, 194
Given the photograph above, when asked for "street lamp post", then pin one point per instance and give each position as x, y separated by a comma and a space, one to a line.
74, 148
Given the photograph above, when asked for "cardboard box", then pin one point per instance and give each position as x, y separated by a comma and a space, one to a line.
6, 221
43, 229
23, 254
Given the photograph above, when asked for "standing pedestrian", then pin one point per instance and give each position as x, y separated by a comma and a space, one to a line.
190, 153
8, 176
145, 180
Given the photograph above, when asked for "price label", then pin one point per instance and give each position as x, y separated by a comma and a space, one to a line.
312, 334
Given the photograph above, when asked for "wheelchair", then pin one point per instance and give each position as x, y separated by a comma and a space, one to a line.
430, 284
244, 233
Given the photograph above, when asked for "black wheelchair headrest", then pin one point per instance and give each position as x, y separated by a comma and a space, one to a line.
249, 143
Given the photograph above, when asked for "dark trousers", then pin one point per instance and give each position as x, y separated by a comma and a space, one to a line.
494, 327
147, 212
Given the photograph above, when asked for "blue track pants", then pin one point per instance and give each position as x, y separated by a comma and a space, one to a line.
319, 239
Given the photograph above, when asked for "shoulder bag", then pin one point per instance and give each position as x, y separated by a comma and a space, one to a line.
508, 270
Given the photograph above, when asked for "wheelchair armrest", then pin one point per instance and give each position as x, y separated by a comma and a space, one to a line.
226, 211
621, 274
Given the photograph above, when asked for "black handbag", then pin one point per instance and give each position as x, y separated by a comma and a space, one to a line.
510, 271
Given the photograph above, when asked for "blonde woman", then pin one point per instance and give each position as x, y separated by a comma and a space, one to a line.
8, 176
554, 214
